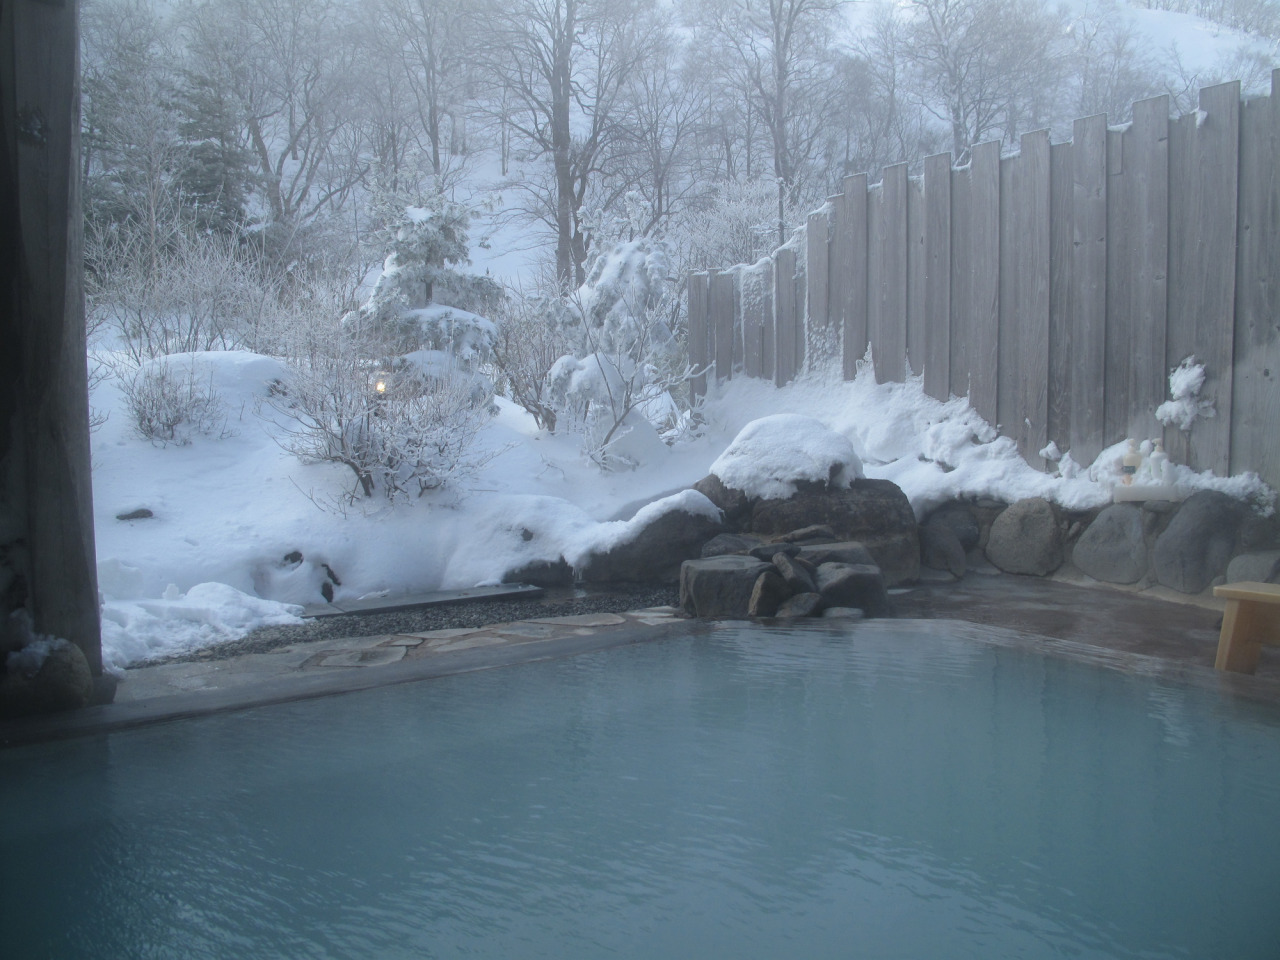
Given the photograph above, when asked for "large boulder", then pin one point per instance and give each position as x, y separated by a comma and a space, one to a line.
1262, 566
959, 519
769, 593
735, 504
800, 605
941, 549
874, 512
1197, 545
1027, 538
1112, 549
656, 550
846, 551
854, 585
727, 543
47, 676
797, 578
719, 586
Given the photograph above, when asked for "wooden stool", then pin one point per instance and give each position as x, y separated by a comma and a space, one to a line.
1251, 619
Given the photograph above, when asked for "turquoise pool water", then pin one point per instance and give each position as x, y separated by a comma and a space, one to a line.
740, 793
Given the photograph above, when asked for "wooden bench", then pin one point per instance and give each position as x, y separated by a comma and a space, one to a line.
1251, 619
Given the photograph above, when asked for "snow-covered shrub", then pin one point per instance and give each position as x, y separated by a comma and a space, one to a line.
625, 358
170, 401
530, 335
1186, 380
400, 432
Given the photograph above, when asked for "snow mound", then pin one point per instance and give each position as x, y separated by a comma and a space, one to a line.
603, 537
769, 455
209, 613
1186, 380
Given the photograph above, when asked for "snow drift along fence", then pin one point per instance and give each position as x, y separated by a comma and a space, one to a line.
1055, 288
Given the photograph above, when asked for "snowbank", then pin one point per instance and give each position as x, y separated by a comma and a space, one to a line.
771, 454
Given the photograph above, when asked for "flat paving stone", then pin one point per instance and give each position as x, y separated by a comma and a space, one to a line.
370, 657
582, 620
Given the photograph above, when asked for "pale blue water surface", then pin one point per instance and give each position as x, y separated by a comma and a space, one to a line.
873, 792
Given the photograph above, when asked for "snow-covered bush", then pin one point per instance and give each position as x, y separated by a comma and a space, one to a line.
530, 335
401, 432
170, 401
625, 358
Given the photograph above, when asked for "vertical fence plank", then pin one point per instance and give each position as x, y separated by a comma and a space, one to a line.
768, 342
721, 309
917, 336
875, 274
1060, 233
1088, 296
984, 277
1255, 406
854, 335
699, 346
889, 337
751, 309
838, 271
1204, 177
784, 302
1147, 270
817, 275
1032, 219
1116, 403
937, 276
1007, 305
962, 248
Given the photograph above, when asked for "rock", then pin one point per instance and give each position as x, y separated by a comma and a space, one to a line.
801, 605
1198, 543
941, 549
959, 519
728, 543
816, 533
875, 512
62, 682
770, 592
842, 613
656, 552
850, 551
767, 551
719, 586
735, 504
142, 513
1112, 549
1026, 538
1260, 567
854, 585
542, 573
797, 578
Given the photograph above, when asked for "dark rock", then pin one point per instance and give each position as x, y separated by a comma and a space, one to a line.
142, 513
770, 592
656, 552
801, 605
1159, 506
1198, 543
1112, 549
842, 613
850, 551
727, 543
62, 682
875, 512
816, 533
735, 504
1260, 567
542, 573
328, 572
292, 558
1259, 533
767, 551
941, 549
854, 585
959, 519
808, 566
1026, 538
326, 591
797, 577
719, 586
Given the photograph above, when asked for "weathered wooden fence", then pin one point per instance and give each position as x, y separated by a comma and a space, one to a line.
1055, 288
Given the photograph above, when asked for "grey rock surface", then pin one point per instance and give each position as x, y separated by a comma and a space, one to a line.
797, 578
656, 552
719, 586
800, 605
1199, 541
1262, 566
854, 585
728, 543
941, 549
734, 503
1112, 548
769, 593
1026, 538
959, 519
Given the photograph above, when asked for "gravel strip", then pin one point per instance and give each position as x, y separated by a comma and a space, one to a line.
464, 613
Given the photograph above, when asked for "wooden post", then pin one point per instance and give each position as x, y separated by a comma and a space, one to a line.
817, 274
887, 271
721, 310
984, 277
784, 304
937, 276
1088, 287
44, 425
854, 334
699, 345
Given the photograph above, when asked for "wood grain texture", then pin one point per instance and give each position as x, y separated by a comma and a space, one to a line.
722, 302
937, 276
984, 278
1255, 406
917, 336
1032, 227
699, 335
854, 336
1088, 288
817, 278
1203, 193
785, 309
962, 322
890, 336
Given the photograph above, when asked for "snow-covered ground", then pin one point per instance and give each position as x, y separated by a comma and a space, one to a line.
230, 508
